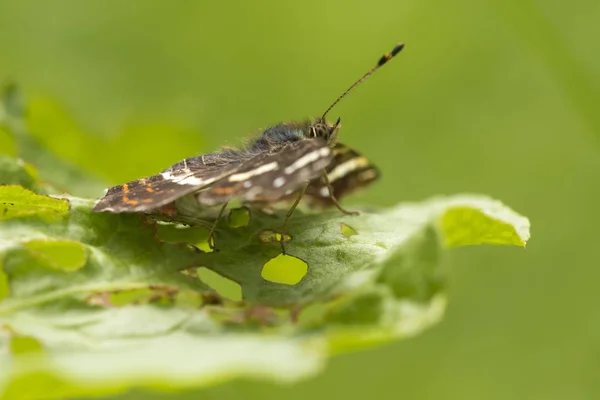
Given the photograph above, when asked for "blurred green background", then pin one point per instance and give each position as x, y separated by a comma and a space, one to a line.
500, 97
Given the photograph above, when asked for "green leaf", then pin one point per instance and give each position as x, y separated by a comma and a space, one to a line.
96, 303
58, 173
50, 125
16, 201
16, 173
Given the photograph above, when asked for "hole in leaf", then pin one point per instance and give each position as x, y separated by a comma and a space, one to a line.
63, 255
347, 230
225, 287
196, 236
238, 217
270, 236
285, 269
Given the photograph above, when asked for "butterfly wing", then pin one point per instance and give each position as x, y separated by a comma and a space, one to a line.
348, 171
271, 176
180, 179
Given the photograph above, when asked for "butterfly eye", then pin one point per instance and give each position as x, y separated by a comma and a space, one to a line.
312, 132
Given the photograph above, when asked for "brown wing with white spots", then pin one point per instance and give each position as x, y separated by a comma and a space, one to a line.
270, 177
347, 172
150, 193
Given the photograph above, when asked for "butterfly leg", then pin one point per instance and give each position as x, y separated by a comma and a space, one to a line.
211, 234
333, 199
289, 214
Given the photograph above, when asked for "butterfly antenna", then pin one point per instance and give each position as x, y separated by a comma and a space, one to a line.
384, 59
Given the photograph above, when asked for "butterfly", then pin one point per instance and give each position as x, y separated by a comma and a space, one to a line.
289, 160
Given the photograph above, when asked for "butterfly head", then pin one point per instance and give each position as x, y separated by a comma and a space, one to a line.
322, 129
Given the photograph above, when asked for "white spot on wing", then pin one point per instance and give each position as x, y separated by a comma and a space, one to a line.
324, 191
186, 177
242, 176
279, 182
194, 181
247, 184
345, 168
179, 177
307, 159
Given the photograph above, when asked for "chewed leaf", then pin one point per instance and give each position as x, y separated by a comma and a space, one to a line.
17, 201
334, 259
119, 301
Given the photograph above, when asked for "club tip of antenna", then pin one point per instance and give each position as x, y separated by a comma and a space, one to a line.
385, 58
397, 49
388, 56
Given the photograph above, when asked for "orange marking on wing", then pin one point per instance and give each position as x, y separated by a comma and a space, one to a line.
147, 200
225, 190
127, 200
125, 188
149, 189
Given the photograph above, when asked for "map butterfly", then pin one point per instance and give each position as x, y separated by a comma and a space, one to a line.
288, 161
